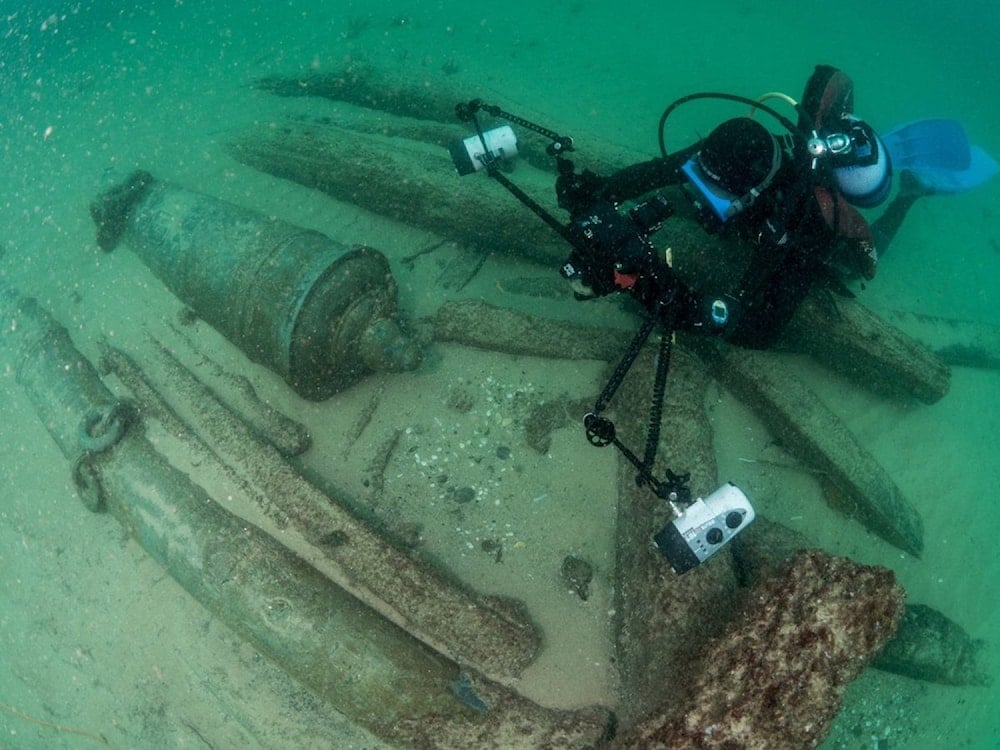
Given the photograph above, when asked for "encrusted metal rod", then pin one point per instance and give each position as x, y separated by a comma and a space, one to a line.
289, 436
367, 667
491, 636
151, 406
812, 432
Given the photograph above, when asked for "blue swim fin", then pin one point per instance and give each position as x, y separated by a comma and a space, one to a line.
935, 181
937, 152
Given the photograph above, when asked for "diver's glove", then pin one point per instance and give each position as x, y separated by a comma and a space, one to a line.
578, 192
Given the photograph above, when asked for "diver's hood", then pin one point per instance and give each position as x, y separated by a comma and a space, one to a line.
737, 162
828, 98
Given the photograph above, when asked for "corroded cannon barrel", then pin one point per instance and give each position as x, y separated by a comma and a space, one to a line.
320, 314
362, 664
861, 487
83, 417
494, 637
267, 594
405, 180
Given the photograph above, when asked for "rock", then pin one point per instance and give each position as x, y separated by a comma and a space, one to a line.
776, 677
928, 645
577, 575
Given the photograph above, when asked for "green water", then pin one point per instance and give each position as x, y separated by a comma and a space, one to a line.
90, 91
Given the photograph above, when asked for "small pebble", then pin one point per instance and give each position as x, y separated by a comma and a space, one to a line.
464, 495
577, 575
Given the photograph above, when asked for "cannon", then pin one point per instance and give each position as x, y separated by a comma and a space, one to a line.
320, 314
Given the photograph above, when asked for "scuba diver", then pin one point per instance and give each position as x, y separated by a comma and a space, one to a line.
789, 198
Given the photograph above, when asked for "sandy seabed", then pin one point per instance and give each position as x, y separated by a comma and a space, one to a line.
98, 641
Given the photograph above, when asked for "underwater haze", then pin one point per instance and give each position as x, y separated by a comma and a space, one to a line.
91, 91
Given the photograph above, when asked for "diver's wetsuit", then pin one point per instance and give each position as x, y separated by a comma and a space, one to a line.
792, 245
799, 231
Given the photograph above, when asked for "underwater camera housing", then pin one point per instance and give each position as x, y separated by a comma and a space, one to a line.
704, 528
605, 235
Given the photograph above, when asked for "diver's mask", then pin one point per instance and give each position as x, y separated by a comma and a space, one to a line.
712, 193
858, 160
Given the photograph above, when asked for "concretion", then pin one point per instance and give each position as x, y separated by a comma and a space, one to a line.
775, 679
927, 646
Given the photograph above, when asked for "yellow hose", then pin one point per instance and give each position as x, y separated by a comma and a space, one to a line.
774, 95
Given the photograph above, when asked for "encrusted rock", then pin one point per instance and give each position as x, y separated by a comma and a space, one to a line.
577, 574
927, 646
776, 677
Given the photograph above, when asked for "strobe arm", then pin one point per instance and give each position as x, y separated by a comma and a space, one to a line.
466, 112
